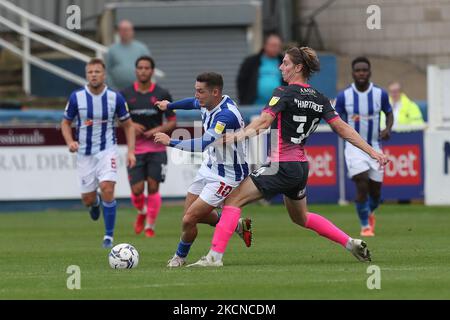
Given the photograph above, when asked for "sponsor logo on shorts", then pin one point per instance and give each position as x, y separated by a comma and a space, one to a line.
301, 193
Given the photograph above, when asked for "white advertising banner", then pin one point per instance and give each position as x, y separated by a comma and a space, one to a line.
49, 172
437, 162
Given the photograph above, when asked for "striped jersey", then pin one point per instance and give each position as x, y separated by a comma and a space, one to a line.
227, 116
361, 110
95, 127
220, 162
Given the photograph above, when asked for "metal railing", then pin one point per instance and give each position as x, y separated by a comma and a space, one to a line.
26, 19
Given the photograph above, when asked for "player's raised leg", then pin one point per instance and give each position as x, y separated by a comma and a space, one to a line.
243, 194
189, 227
89, 185
92, 201
299, 214
243, 228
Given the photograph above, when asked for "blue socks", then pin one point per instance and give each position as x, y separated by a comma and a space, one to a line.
183, 248
363, 210
109, 214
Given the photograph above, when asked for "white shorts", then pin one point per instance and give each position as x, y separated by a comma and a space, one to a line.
97, 168
211, 190
358, 161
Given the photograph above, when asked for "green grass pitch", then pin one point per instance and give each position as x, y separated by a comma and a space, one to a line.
411, 247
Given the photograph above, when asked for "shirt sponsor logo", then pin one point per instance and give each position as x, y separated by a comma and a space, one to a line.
308, 91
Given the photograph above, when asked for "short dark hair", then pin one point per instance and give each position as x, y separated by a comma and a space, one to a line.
272, 34
96, 61
360, 59
212, 79
146, 58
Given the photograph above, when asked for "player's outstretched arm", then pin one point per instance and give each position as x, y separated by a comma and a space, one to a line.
263, 122
66, 130
349, 134
192, 145
131, 138
184, 104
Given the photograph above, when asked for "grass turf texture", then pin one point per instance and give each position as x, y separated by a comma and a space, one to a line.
411, 248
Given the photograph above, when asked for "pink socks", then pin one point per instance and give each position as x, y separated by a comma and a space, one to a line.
326, 228
153, 205
138, 201
225, 228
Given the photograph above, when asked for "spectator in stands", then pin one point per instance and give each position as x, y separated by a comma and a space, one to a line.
406, 111
122, 56
259, 74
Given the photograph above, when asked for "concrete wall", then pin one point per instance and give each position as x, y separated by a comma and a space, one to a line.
415, 30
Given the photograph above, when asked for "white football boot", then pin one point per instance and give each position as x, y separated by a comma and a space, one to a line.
207, 261
360, 250
176, 262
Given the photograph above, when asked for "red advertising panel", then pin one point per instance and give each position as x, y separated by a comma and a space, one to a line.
322, 165
404, 167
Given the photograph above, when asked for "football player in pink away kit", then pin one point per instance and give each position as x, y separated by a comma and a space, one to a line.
151, 158
293, 113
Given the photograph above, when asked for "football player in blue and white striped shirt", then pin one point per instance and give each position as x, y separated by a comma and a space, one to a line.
221, 171
360, 106
95, 108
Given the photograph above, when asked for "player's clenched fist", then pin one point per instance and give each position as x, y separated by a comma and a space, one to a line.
162, 105
162, 138
73, 146
380, 157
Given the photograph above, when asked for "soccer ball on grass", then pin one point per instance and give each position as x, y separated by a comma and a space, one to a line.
123, 256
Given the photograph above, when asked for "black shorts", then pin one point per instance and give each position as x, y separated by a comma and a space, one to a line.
288, 178
148, 165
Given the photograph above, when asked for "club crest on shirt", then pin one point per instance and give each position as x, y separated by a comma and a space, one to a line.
220, 126
273, 101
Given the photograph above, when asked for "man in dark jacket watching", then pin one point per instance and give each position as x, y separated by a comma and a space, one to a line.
259, 74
